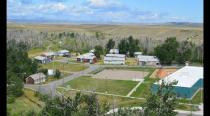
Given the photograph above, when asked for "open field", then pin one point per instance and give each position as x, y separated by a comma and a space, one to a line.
64, 67
120, 74
25, 103
35, 52
119, 87
153, 31
131, 61
51, 78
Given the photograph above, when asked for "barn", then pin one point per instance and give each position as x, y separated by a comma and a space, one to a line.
87, 57
144, 60
190, 80
114, 59
42, 59
36, 78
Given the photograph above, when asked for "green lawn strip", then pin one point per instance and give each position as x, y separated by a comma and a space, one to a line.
187, 107
64, 66
195, 100
25, 103
144, 90
120, 87
145, 69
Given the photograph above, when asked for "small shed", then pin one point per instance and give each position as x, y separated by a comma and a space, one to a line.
144, 60
49, 55
114, 51
42, 59
36, 78
137, 53
64, 53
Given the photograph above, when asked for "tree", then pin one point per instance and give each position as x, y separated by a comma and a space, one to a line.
123, 46
110, 45
163, 102
184, 52
167, 52
98, 51
57, 73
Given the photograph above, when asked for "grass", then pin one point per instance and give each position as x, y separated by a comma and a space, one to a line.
35, 52
131, 61
120, 87
195, 100
144, 69
64, 67
24, 103
51, 78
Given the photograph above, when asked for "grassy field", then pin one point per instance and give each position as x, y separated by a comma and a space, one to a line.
120, 87
25, 103
63, 67
51, 78
35, 52
157, 32
197, 99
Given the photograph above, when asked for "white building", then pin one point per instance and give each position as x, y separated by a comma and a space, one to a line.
114, 51
87, 57
137, 53
114, 59
49, 54
42, 59
63, 53
144, 60
190, 79
92, 51
36, 78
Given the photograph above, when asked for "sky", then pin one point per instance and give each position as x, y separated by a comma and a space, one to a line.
120, 11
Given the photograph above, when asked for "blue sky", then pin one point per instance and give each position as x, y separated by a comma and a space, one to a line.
121, 11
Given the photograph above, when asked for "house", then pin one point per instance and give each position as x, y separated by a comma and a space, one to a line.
190, 80
64, 53
87, 57
114, 51
92, 51
144, 60
137, 53
114, 59
36, 78
42, 59
50, 72
49, 55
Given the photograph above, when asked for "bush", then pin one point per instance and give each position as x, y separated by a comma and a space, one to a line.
10, 99
57, 73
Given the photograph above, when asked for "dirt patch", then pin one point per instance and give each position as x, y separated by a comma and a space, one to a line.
162, 73
121, 75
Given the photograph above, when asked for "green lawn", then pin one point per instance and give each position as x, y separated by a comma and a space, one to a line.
120, 87
64, 66
131, 61
195, 100
35, 52
25, 103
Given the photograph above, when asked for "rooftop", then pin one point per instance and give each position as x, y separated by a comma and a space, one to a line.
186, 76
40, 58
37, 76
147, 58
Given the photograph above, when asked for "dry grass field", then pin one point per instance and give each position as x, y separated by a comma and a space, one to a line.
157, 32
162, 73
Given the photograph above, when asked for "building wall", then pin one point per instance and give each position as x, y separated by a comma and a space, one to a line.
149, 63
114, 62
29, 80
183, 92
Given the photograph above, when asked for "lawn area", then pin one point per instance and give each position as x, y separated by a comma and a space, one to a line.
25, 103
131, 61
64, 67
51, 78
120, 87
195, 100
35, 52
146, 69
118, 101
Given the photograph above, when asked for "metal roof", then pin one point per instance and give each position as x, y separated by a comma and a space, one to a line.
37, 76
40, 58
114, 58
116, 55
114, 51
63, 51
147, 58
186, 76
87, 56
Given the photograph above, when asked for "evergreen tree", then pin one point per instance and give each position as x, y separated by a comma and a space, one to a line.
110, 45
